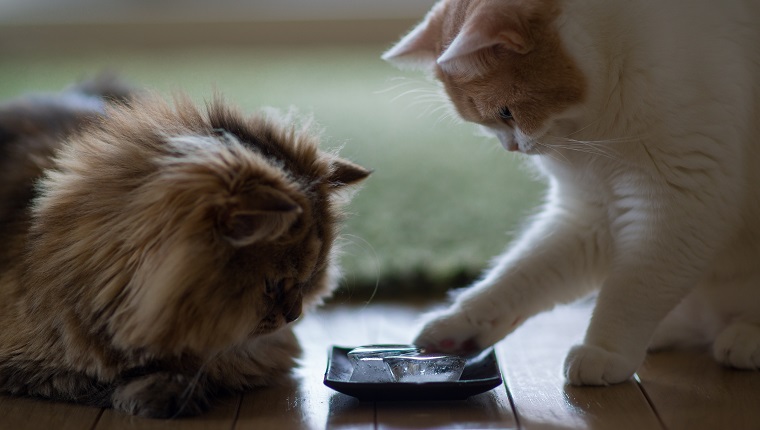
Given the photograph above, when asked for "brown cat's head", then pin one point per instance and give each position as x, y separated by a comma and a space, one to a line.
175, 230
502, 63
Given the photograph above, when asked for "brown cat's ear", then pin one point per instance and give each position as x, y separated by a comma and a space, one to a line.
487, 28
262, 214
419, 49
345, 173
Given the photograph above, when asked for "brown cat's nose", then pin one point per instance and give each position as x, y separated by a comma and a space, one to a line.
292, 314
292, 309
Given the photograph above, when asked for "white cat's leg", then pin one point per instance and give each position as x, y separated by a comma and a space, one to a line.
664, 243
738, 345
737, 300
691, 323
554, 262
626, 315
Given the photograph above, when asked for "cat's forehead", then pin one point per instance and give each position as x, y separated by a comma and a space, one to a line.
278, 142
533, 85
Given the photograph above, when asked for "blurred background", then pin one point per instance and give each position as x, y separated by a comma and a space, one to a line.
443, 200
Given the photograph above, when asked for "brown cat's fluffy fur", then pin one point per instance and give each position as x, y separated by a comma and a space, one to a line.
164, 250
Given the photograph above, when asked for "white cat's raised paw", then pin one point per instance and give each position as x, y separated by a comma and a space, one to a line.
448, 332
457, 331
738, 345
592, 365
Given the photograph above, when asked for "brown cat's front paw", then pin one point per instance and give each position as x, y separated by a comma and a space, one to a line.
161, 395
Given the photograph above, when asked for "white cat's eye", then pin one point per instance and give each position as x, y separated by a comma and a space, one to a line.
505, 113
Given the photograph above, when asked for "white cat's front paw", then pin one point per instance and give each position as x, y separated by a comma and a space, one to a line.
592, 365
464, 329
738, 345
448, 331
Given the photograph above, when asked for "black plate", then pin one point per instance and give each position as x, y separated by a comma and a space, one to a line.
480, 374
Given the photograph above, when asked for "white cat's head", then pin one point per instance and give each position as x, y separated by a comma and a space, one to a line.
503, 64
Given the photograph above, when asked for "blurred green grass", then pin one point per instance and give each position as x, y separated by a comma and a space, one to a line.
442, 201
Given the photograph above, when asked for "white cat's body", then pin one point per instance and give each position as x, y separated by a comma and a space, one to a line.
654, 192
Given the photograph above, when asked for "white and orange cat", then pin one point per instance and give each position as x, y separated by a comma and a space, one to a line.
644, 117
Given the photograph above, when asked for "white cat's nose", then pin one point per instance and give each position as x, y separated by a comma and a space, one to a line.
507, 140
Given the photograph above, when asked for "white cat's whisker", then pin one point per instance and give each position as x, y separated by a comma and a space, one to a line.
596, 121
445, 111
408, 92
591, 150
403, 82
426, 101
451, 116
596, 147
605, 141
555, 150
584, 147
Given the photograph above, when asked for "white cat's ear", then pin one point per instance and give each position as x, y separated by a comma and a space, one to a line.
262, 214
418, 49
484, 29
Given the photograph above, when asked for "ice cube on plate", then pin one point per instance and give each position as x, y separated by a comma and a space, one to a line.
370, 369
381, 350
425, 367
368, 364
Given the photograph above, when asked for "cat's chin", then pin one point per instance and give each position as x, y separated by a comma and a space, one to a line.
262, 330
527, 149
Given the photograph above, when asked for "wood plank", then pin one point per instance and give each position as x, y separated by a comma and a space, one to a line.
21, 413
689, 390
220, 417
531, 360
489, 410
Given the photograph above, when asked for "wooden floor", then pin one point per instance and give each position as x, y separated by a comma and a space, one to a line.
683, 390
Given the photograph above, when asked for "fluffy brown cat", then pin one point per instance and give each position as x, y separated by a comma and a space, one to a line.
154, 255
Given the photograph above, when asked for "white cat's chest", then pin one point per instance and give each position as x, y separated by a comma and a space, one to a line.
614, 195
593, 179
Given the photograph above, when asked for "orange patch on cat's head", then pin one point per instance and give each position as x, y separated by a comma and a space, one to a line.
492, 55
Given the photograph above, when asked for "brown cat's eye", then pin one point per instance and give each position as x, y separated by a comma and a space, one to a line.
505, 113
272, 287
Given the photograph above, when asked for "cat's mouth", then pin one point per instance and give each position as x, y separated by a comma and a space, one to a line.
512, 144
265, 328
272, 324
527, 147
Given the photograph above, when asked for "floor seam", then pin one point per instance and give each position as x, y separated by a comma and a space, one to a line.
648, 399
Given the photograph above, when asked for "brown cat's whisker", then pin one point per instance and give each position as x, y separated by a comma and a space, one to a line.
375, 258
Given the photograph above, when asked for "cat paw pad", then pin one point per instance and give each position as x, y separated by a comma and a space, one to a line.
448, 332
738, 345
592, 365
466, 327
